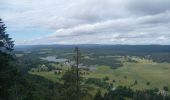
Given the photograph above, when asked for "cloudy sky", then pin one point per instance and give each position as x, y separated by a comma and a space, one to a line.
87, 21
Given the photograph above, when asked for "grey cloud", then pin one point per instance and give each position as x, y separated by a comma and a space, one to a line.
148, 7
92, 21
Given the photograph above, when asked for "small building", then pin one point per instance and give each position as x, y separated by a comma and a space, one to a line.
42, 68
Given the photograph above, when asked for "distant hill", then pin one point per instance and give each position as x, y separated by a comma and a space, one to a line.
130, 48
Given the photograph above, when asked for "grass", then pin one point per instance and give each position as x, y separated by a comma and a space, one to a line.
157, 74
19, 55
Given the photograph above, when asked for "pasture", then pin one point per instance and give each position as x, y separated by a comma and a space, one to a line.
144, 74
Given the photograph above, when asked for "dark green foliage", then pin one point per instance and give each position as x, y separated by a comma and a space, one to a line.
98, 96
148, 83
31, 87
5, 41
15, 85
136, 82
158, 53
121, 93
106, 78
69, 89
28, 61
98, 82
114, 81
112, 62
118, 94
7, 70
166, 88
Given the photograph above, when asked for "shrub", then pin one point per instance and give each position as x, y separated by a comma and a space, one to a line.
97, 82
106, 78
148, 83
136, 82
166, 88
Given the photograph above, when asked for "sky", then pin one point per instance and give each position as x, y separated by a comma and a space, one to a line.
32, 22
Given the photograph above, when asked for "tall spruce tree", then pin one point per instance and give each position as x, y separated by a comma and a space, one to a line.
6, 71
6, 43
73, 89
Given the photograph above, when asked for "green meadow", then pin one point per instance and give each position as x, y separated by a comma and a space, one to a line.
143, 74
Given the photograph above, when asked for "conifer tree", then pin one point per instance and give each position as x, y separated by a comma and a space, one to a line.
6, 71
72, 87
5, 41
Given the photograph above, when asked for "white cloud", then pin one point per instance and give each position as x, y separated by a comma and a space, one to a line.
91, 21
162, 38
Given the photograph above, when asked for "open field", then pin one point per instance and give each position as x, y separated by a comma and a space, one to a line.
155, 74
148, 74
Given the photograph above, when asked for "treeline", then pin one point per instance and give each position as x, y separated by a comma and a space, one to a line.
157, 53
125, 93
112, 62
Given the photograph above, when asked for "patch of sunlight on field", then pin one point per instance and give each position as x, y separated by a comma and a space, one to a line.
19, 55
157, 74
141, 60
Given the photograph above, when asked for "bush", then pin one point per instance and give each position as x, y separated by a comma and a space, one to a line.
166, 88
136, 82
148, 83
97, 82
106, 78
114, 81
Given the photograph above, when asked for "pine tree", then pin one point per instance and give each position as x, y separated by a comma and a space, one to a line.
6, 71
72, 87
5, 41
